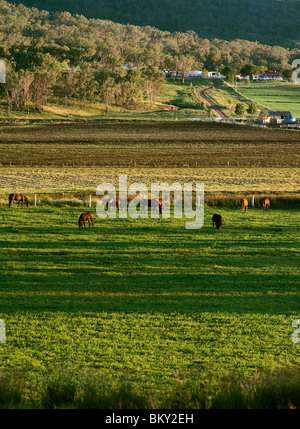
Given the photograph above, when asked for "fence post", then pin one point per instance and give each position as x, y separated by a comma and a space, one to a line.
252, 200
34, 200
90, 201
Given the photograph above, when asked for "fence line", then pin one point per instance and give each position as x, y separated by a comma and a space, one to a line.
234, 121
245, 96
89, 198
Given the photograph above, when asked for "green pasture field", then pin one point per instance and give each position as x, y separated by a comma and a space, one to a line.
147, 300
276, 98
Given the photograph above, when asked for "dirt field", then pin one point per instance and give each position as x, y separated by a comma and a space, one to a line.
151, 145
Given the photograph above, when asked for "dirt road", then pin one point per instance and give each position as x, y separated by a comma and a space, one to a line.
213, 105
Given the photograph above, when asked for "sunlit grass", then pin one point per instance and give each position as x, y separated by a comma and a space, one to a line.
283, 98
147, 299
218, 180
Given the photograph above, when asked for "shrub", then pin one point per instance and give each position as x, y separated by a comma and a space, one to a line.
11, 387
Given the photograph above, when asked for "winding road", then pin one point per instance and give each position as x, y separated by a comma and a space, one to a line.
213, 105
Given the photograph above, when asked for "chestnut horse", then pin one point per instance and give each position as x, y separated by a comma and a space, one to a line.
218, 220
265, 203
244, 203
85, 217
18, 197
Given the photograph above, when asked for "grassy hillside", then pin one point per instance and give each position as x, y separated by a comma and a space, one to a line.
174, 94
185, 97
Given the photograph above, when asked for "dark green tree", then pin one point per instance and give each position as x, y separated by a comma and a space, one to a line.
252, 109
240, 109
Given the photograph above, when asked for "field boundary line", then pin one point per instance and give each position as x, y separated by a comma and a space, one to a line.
244, 96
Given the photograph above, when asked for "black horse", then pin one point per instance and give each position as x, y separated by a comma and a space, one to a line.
154, 203
18, 197
218, 220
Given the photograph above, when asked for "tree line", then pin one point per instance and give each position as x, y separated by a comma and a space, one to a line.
33, 88
66, 57
269, 21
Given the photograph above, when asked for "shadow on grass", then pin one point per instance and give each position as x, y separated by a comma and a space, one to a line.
153, 293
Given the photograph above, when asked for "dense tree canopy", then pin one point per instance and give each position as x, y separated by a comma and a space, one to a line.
26, 34
68, 57
268, 21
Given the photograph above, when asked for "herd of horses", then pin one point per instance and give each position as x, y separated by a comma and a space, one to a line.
265, 204
154, 203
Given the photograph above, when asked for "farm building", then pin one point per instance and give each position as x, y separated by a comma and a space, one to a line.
255, 76
277, 117
195, 73
269, 75
272, 75
212, 74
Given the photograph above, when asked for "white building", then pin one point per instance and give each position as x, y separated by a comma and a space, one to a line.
195, 73
212, 74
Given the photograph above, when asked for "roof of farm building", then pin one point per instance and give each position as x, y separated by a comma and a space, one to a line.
279, 113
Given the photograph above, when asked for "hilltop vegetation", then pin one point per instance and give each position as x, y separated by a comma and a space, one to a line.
27, 34
63, 59
271, 21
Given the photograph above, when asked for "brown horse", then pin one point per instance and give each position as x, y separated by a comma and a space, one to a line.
163, 203
85, 217
18, 197
111, 203
218, 220
265, 203
244, 203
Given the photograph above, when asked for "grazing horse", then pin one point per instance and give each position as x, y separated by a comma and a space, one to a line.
218, 220
86, 217
244, 203
266, 203
18, 197
115, 203
163, 204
